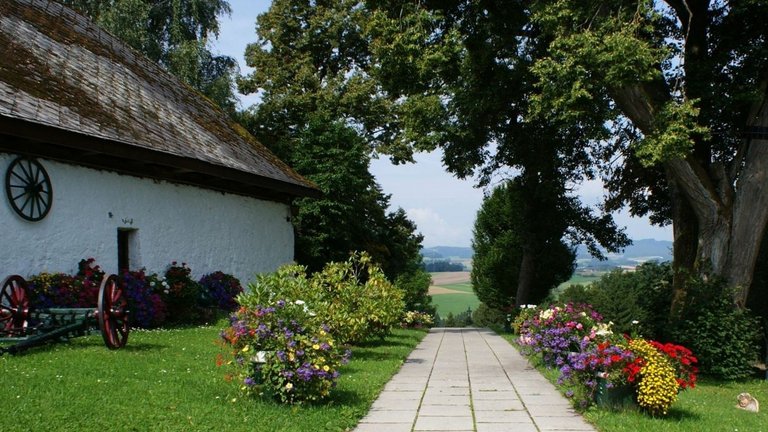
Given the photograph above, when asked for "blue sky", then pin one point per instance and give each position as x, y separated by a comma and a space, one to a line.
442, 206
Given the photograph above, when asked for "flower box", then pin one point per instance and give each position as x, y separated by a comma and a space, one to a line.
614, 396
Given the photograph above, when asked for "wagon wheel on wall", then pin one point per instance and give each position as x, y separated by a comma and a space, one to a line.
14, 306
113, 313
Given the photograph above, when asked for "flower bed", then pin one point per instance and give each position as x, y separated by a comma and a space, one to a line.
573, 339
277, 350
153, 300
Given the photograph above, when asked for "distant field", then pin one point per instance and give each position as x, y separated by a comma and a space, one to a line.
580, 279
452, 292
454, 303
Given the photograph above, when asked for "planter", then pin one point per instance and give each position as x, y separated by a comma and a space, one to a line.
617, 396
258, 362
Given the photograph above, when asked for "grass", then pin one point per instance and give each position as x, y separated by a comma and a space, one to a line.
463, 287
708, 407
167, 380
454, 303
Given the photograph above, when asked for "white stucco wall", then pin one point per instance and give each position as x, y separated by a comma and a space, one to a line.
206, 229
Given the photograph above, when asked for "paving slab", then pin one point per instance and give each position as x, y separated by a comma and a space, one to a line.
470, 380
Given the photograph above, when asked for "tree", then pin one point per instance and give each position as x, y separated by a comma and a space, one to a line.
352, 214
501, 227
304, 117
410, 77
687, 83
175, 34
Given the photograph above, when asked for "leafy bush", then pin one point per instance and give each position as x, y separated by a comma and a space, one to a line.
461, 319
415, 287
279, 350
353, 297
646, 296
724, 337
485, 316
183, 295
220, 289
416, 319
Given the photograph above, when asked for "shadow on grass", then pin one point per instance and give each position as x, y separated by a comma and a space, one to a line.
678, 414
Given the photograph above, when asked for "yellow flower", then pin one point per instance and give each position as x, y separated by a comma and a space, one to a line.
246, 348
288, 386
326, 368
316, 347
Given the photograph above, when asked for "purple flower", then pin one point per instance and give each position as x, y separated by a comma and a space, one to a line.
249, 381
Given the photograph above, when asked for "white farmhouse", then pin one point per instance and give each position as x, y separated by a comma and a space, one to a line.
105, 155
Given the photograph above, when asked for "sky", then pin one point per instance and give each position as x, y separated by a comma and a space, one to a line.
442, 206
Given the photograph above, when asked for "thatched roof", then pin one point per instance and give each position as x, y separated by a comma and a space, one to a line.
71, 91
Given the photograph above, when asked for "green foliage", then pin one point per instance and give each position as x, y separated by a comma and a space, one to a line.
673, 138
646, 296
174, 34
724, 338
414, 319
500, 233
485, 316
461, 319
353, 298
415, 286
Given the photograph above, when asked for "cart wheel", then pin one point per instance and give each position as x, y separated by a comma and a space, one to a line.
14, 306
113, 313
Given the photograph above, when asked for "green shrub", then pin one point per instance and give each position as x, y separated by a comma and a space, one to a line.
353, 297
725, 338
415, 287
416, 319
636, 302
462, 319
485, 316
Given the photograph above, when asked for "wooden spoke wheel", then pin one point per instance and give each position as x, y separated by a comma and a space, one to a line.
14, 306
29, 189
113, 313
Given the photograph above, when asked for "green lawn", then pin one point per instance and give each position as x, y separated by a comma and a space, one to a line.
708, 407
579, 279
454, 303
167, 380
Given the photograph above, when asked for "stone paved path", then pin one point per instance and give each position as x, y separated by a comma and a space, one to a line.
469, 380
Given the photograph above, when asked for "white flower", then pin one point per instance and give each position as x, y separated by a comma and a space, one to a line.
152, 283
260, 357
635, 322
299, 302
603, 329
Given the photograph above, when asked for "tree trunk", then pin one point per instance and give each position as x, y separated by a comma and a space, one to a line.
526, 277
686, 235
726, 211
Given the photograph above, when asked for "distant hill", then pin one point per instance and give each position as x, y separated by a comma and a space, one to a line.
645, 248
446, 252
638, 252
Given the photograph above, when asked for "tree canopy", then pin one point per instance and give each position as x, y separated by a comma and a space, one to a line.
175, 34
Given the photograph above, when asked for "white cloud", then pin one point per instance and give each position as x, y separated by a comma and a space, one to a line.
436, 230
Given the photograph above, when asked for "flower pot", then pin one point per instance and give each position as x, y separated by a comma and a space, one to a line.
616, 396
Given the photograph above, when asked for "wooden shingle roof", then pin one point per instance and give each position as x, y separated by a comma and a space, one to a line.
71, 91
